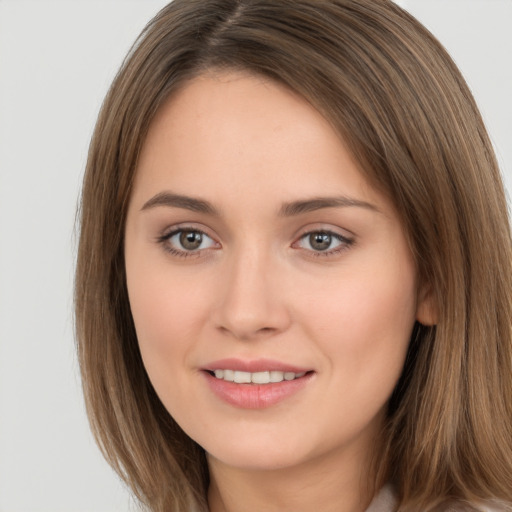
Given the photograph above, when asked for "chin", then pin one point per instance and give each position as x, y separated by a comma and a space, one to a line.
261, 459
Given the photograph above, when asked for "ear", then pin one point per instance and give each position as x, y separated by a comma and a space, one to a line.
427, 311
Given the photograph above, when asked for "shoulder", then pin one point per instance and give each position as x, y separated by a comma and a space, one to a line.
487, 506
494, 506
386, 501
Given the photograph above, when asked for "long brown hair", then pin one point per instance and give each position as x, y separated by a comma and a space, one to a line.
405, 112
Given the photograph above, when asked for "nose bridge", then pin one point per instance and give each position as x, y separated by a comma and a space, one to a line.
252, 301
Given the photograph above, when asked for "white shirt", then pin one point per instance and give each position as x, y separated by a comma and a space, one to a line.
386, 501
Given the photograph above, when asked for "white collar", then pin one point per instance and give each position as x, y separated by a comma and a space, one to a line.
385, 501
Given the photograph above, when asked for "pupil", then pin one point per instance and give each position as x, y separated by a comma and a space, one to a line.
320, 241
191, 240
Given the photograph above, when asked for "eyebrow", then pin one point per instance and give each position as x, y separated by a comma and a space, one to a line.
180, 201
319, 203
294, 208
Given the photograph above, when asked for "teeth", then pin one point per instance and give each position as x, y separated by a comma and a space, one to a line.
260, 378
256, 377
242, 377
276, 376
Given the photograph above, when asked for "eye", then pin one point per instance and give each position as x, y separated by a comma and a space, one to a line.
326, 242
185, 242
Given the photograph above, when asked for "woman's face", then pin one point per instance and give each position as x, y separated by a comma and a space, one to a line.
257, 251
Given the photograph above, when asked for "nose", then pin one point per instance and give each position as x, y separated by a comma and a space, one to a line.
252, 301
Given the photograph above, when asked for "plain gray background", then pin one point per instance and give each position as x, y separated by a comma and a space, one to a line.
57, 59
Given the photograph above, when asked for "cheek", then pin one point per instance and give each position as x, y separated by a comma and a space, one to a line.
167, 313
364, 326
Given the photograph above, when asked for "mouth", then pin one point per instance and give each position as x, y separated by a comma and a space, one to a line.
256, 384
260, 378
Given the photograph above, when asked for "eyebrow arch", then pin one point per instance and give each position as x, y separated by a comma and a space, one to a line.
318, 203
179, 201
294, 208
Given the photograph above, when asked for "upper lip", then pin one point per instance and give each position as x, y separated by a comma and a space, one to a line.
252, 366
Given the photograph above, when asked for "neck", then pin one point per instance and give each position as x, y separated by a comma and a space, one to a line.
338, 484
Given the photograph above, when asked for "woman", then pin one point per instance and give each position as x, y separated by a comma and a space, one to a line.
293, 285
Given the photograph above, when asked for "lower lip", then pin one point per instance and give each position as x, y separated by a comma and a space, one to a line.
256, 396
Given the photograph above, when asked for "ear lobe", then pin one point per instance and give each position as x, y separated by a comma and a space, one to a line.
427, 312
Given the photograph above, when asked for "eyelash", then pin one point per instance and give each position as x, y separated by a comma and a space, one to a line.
344, 243
164, 241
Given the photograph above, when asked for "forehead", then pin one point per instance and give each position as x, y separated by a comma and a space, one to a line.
237, 134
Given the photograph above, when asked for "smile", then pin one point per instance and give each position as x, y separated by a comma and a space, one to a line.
265, 377
256, 389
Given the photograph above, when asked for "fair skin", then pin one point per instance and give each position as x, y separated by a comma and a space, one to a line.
252, 237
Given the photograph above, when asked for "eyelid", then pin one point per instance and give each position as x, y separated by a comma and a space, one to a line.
346, 241
172, 231
169, 230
